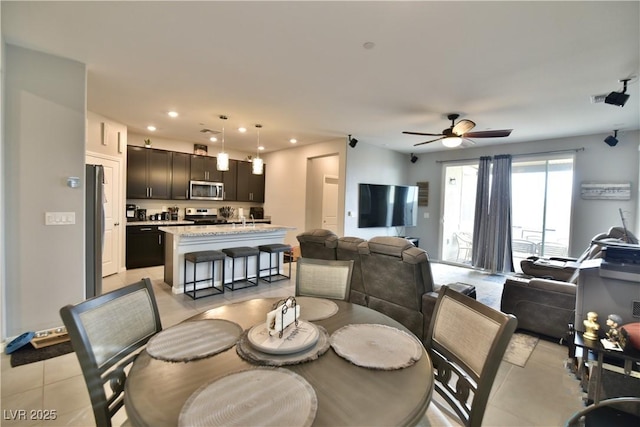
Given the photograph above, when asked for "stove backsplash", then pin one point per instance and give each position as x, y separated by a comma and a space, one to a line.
156, 206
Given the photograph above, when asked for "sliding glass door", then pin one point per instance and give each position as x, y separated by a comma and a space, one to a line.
541, 208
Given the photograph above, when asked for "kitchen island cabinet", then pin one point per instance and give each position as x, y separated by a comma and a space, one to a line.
181, 240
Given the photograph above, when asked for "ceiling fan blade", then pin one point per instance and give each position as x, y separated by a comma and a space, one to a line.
426, 142
489, 133
423, 134
466, 142
462, 127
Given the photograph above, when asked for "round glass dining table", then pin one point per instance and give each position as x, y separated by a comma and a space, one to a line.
157, 390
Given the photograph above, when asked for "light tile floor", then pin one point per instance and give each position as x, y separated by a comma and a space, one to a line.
543, 393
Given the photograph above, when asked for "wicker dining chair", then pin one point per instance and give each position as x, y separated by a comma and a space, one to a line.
106, 331
324, 278
466, 343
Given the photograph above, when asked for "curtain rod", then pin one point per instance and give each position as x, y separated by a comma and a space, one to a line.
518, 155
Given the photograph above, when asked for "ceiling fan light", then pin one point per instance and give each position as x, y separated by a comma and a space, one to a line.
452, 141
222, 162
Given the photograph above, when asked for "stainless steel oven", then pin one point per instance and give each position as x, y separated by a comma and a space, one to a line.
205, 190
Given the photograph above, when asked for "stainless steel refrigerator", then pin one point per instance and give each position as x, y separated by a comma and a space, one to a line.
94, 229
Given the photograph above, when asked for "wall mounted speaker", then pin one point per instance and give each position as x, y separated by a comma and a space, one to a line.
413, 158
612, 140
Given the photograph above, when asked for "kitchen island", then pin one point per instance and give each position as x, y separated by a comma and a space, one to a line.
185, 239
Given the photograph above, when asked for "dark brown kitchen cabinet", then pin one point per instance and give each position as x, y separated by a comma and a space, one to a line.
250, 187
145, 246
180, 175
204, 168
148, 173
229, 179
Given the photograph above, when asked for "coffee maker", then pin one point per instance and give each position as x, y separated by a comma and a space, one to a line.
141, 214
131, 213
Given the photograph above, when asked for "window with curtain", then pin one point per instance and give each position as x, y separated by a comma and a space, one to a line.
541, 194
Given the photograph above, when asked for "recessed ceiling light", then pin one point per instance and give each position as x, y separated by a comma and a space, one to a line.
213, 139
293, 140
242, 130
151, 128
173, 114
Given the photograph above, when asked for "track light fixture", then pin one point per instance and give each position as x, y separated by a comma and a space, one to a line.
413, 158
352, 141
618, 98
612, 140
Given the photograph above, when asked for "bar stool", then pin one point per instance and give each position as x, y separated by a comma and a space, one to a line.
242, 252
271, 249
198, 257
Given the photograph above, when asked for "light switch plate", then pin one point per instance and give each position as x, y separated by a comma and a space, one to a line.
59, 218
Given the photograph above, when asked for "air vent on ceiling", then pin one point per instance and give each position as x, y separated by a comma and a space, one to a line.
598, 98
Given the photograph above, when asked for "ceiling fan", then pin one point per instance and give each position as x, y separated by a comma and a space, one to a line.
453, 136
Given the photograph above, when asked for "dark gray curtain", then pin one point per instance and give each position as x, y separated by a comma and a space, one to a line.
493, 216
481, 216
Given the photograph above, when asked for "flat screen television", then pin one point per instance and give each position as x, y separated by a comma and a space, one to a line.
387, 205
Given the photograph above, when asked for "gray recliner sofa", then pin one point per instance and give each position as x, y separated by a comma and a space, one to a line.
543, 306
318, 243
563, 268
398, 282
347, 249
546, 304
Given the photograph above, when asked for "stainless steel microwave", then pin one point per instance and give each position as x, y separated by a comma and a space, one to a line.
205, 190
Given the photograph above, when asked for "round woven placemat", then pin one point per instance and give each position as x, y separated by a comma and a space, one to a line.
257, 397
312, 309
194, 340
376, 346
250, 354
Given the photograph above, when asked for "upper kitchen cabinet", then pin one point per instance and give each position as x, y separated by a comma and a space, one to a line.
204, 168
180, 176
148, 173
250, 187
229, 179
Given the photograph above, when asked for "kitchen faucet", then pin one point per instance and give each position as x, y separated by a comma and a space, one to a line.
253, 220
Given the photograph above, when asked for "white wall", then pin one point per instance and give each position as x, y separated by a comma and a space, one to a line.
369, 164
286, 183
598, 162
114, 150
44, 117
317, 168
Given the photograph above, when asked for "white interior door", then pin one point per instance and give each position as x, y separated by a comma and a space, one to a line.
112, 213
330, 203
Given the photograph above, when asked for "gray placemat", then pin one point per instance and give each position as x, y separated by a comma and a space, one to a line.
376, 346
252, 355
312, 309
257, 397
194, 340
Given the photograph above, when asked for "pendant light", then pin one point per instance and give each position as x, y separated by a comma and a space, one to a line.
222, 163
257, 167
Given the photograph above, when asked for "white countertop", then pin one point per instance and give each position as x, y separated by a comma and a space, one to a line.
219, 230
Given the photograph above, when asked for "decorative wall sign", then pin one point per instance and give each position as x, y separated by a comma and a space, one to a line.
423, 193
605, 190
200, 149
